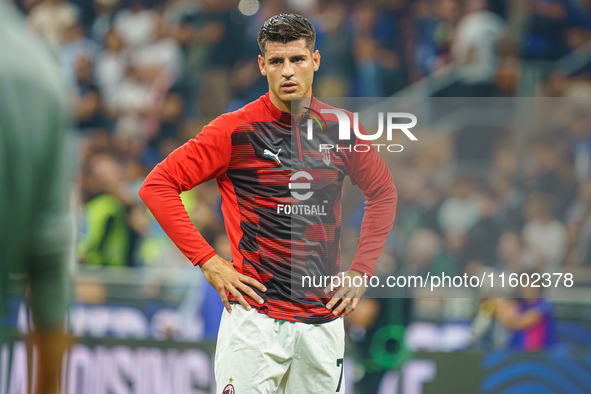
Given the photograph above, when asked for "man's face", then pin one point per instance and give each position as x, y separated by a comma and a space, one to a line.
289, 69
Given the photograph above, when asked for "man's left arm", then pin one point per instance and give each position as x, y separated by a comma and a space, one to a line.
369, 172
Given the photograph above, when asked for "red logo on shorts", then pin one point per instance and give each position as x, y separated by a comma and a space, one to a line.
229, 389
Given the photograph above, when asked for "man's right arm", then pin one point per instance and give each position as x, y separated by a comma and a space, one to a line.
203, 158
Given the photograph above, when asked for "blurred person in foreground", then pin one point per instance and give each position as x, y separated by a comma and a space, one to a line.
36, 231
279, 338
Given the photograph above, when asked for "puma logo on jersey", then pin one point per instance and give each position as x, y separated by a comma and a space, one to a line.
274, 156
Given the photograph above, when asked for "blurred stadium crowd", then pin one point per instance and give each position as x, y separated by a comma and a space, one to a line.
146, 76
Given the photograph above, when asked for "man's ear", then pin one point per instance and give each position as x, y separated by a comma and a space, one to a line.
262, 66
316, 59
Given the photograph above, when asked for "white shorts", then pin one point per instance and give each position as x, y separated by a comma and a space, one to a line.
259, 354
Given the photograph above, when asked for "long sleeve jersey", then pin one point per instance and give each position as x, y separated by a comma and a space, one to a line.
281, 202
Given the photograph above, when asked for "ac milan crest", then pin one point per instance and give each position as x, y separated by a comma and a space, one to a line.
325, 154
229, 389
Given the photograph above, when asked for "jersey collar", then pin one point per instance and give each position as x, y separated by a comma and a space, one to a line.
277, 113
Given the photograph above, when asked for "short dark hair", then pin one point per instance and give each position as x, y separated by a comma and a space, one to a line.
285, 28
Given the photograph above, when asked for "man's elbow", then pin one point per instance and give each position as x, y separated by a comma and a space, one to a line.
389, 199
393, 201
154, 180
389, 195
148, 190
393, 194
386, 195
158, 187
144, 193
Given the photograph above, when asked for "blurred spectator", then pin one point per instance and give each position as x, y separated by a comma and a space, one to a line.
474, 50
415, 198
578, 220
509, 214
76, 45
161, 53
130, 100
104, 18
553, 175
51, 19
455, 217
508, 258
425, 254
177, 10
488, 333
164, 123
216, 44
580, 141
482, 237
579, 209
222, 29
87, 99
376, 49
578, 23
434, 33
509, 252
543, 36
544, 236
461, 210
136, 24
107, 239
334, 41
508, 76
530, 319
111, 65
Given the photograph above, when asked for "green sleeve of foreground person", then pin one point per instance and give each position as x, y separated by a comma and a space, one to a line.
36, 222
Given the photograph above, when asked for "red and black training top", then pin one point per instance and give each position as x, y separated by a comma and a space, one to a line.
281, 201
